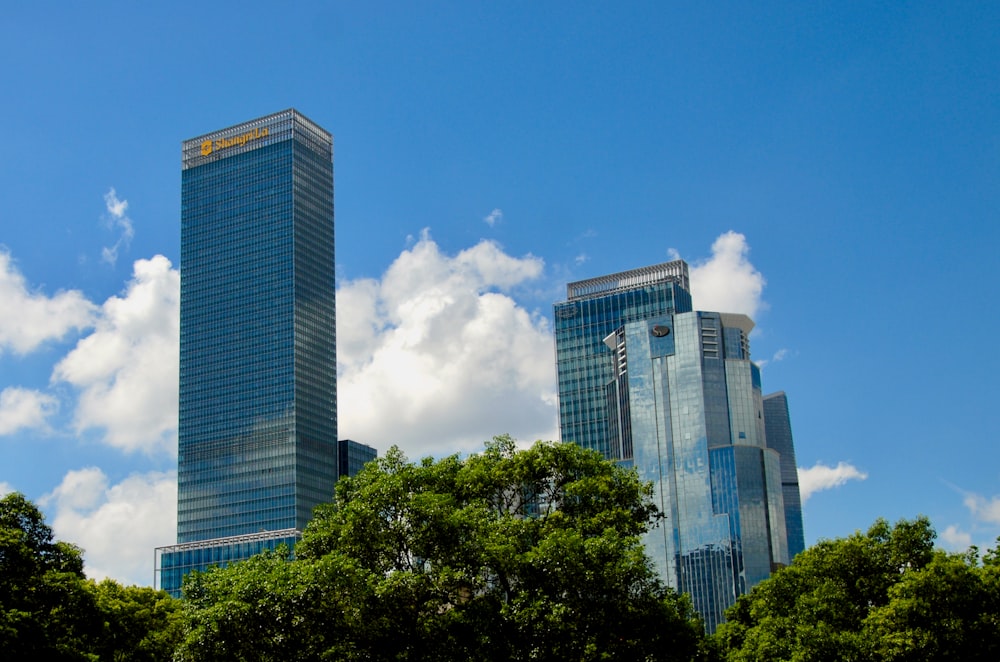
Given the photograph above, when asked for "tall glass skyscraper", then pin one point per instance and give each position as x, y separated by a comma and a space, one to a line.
778, 426
595, 308
672, 392
257, 434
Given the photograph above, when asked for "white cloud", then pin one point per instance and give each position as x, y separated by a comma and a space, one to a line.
116, 525
727, 282
5, 488
780, 355
117, 220
955, 538
24, 408
115, 206
493, 218
126, 369
436, 358
983, 509
581, 258
822, 477
31, 318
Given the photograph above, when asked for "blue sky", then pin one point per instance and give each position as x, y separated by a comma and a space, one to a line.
832, 170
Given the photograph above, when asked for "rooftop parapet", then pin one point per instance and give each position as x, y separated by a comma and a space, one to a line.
676, 271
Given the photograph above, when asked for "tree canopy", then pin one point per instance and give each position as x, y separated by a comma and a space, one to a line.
506, 555
50, 611
882, 595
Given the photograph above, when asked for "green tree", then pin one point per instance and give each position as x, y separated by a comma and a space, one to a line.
50, 611
883, 595
140, 624
948, 610
270, 608
505, 555
46, 608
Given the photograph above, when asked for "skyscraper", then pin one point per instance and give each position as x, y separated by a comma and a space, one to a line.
778, 428
257, 432
596, 308
672, 392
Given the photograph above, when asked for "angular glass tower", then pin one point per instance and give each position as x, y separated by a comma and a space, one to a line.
672, 392
257, 434
778, 426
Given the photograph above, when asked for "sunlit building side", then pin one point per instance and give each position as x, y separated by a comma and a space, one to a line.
672, 392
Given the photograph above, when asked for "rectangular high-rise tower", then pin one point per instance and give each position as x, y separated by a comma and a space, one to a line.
672, 392
257, 433
595, 308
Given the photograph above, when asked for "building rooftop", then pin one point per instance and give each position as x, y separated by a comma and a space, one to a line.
676, 272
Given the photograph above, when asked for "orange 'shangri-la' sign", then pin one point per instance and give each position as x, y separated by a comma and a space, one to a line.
207, 147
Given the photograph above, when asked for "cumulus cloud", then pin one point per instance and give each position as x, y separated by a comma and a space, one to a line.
5, 488
116, 525
436, 356
126, 369
821, 477
493, 218
727, 282
955, 538
24, 408
983, 509
116, 219
31, 318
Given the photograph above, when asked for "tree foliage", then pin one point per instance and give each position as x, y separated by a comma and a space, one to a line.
139, 624
506, 555
50, 611
46, 610
883, 595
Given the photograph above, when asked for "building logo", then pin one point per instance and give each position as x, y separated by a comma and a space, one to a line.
566, 312
241, 139
208, 146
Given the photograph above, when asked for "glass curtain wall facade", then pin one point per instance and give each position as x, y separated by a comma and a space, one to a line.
595, 308
778, 424
672, 392
257, 433
354, 456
